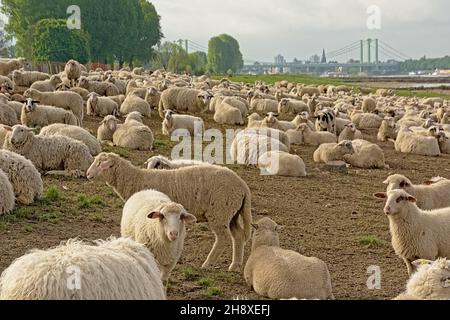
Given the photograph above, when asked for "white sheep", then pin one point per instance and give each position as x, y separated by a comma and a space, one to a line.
100, 87
72, 71
278, 273
47, 85
416, 233
134, 103
329, 152
350, 133
117, 269
133, 133
183, 125
254, 120
8, 115
262, 105
106, 129
101, 106
271, 121
315, 138
366, 120
11, 65
269, 132
27, 78
387, 130
282, 164
366, 155
7, 198
151, 218
34, 115
184, 100
410, 142
50, 153
158, 162
292, 106
369, 105
227, 114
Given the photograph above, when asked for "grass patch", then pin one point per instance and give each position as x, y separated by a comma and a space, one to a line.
160, 143
28, 228
124, 153
372, 241
422, 94
213, 292
51, 195
271, 79
85, 202
190, 274
205, 282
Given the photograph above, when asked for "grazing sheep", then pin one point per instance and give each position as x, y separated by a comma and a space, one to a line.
428, 197
62, 99
117, 269
227, 114
430, 282
184, 100
292, 106
13, 64
72, 71
27, 78
133, 134
416, 233
101, 88
282, 164
200, 189
350, 133
183, 125
101, 106
366, 155
73, 132
387, 130
410, 142
369, 105
34, 115
134, 103
158, 162
106, 129
47, 85
277, 273
65, 156
7, 198
328, 152
315, 138
25, 179
151, 218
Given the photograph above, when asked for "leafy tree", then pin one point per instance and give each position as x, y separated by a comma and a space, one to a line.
425, 64
53, 41
198, 61
224, 54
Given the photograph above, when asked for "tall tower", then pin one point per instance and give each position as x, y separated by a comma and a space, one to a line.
324, 57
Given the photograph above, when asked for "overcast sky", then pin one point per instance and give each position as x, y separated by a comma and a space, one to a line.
301, 28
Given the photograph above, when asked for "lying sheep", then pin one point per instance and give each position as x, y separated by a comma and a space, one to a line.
303, 117
50, 153
7, 198
25, 179
158, 162
315, 138
415, 232
106, 129
72, 71
292, 107
254, 121
277, 273
47, 85
27, 78
151, 218
282, 164
62, 99
13, 64
269, 132
410, 142
8, 115
100, 87
350, 133
261, 105
183, 125
117, 269
271, 121
133, 134
225, 113
430, 282
387, 130
329, 152
73, 132
184, 100
227, 215
366, 120
134, 103
428, 197
366, 155
326, 121
34, 115
101, 106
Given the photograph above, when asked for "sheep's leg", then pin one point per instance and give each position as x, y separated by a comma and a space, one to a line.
223, 234
238, 237
409, 266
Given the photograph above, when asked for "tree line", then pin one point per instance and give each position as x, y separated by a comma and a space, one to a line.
426, 64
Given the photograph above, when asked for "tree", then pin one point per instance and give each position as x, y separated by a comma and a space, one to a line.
198, 62
53, 41
224, 54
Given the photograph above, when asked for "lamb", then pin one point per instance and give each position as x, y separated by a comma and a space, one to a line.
151, 218
62, 99
106, 129
116, 269
134, 103
73, 132
387, 130
430, 282
281, 164
350, 133
277, 273
369, 105
27, 78
292, 106
315, 138
185, 100
13, 64
366, 155
409, 142
328, 152
72, 71
101, 88
101, 106
182, 125
25, 179
47, 85
158, 162
7, 198
133, 134
428, 197
416, 233
199, 189
50, 153
34, 115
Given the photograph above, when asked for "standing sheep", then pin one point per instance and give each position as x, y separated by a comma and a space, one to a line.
200, 189
72, 71
7, 199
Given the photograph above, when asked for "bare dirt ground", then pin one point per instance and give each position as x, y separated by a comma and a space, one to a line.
331, 216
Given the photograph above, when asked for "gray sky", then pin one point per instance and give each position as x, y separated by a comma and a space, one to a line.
300, 28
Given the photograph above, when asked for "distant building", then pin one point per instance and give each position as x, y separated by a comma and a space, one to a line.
314, 59
324, 57
279, 60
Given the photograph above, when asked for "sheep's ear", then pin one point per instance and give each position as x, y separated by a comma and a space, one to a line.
380, 195
255, 226
35, 102
188, 218
105, 165
386, 181
411, 199
421, 262
155, 215
8, 128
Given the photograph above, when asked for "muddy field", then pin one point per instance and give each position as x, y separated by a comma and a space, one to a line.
331, 216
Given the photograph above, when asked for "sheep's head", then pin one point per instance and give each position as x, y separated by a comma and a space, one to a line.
271, 117
346, 147
102, 164
351, 126
390, 122
83, 82
30, 93
136, 116
93, 97
284, 102
30, 105
397, 201
110, 122
55, 79
152, 91
397, 181
5, 87
436, 274
20, 135
265, 233
205, 97
168, 114
62, 87
172, 218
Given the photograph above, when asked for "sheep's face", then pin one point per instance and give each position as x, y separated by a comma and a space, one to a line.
6, 87
396, 201
110, 122
83, 83
265, 233
20, 135
271, 118
172, 218
436, 274
346, 147
102, 163
397, 181
30, 105
352, 127
56, 79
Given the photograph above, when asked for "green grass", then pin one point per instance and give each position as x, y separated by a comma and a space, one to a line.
271, 79
212, 292
205, 282
51, 195
190, 274
372, 241
421, 94
85, 202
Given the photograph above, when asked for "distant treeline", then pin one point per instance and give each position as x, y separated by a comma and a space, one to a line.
426, 64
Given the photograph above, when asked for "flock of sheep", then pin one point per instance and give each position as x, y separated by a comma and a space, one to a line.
159, 204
